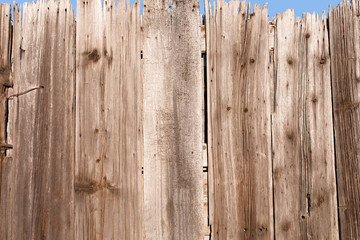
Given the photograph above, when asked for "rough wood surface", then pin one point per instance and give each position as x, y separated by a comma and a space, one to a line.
173, 186
108, 186
39, 170
345, 65
5, 80
5, 46
239, 109
5, 67
129, 163
303, 149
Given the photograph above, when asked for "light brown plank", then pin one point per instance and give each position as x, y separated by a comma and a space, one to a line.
108, 186
5, 67
345, 52
239, 109
303, 149
5, 80
173, 186
39, 170
5, 50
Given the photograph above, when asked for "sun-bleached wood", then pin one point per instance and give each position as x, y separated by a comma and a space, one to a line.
5, 67
268, 116
39, 170
5, 49
239, 110
345, 65
5, 81
173, 185
108, 185
302, 130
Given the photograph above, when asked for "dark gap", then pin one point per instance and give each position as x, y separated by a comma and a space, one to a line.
205, 169
210, 233
309, 203
203, 56
11, 38
141, 54
333, 120
205, 97
6, 119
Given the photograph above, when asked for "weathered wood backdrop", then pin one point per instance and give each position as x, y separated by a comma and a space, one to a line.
107, 124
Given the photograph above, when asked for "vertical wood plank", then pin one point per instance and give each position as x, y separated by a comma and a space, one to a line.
240, 171
5, 67
5, 81
39, 172
108, 185
5, 49
303, 148
173, 193
345, 52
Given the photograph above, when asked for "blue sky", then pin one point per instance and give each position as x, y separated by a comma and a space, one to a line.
275, 6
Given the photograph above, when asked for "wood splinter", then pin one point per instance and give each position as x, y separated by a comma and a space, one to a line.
24, 92
5, 146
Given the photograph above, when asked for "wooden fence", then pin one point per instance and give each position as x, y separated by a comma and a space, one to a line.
171, 125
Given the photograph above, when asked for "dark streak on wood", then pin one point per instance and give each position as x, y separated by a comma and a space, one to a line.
93, 187
240, 139
41, 125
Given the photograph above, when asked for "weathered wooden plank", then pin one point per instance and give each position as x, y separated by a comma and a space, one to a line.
38, 200
173, 193
108, 185
5, 66
239, 121
345, 52
5, 46
302, 129
5, 80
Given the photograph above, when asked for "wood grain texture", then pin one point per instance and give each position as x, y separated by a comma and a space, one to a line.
5, 45
239, 110
303, 148
173, 186
345, 52
5, 80
108, 185
5, 68
38, 200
